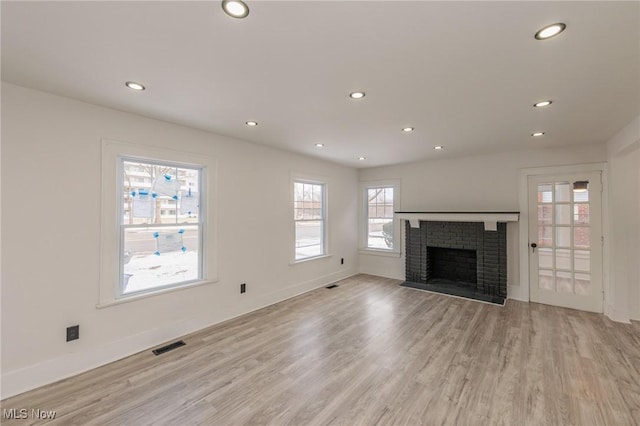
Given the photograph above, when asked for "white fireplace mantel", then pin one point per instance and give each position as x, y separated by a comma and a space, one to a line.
490, 219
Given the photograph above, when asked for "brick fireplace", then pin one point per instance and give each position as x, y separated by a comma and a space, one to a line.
466, 259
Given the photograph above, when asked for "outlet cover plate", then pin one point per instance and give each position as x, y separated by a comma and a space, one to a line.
73, 333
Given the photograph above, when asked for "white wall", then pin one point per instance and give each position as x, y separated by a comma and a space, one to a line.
50, 174
479, 183
51, 236
1, 238
623, 152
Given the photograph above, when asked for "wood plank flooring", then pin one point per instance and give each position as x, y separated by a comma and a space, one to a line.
369, 353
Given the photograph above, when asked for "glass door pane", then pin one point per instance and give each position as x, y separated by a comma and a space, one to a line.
564, 238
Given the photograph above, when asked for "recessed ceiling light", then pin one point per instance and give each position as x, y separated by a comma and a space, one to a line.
408, 129
362, 158
251, 123
356, 95
439, 147
134, 86
542, 103
235, 8
319, 145
550, 31
537, 134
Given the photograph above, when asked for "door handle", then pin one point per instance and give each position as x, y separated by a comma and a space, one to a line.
533, 246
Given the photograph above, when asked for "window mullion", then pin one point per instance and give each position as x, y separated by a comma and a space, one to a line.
161, 225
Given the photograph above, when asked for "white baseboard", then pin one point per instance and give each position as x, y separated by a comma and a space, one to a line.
634, 315
383, 272
384, 275
24, 379
618, 315
295, 290
518, 292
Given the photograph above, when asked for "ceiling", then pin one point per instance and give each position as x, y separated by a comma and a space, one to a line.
464, 74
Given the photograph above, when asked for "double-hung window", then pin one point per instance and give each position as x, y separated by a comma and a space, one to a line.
380, 225
161, 227
310, 219
379, 231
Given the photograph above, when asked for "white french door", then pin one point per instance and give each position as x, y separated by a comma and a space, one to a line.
565, 240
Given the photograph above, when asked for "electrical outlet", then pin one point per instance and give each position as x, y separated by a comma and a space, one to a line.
342, 260
243, 288
73, 333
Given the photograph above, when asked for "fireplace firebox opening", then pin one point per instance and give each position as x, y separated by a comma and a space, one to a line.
451, 265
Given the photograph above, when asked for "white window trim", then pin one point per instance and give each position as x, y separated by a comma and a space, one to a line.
318, 180
112, 152
363, 218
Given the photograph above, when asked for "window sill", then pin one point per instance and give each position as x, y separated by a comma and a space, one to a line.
384, 253
308, 259
132, 298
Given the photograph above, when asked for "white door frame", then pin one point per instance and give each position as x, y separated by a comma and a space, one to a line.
521, 291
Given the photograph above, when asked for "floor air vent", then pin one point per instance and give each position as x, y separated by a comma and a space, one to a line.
169, 347
332, 286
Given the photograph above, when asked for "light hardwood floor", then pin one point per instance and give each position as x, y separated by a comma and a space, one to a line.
370, 353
